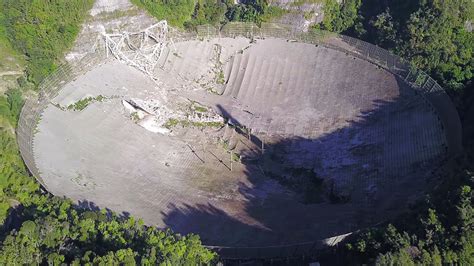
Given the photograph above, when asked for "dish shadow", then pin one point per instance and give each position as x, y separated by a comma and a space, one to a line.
364, 173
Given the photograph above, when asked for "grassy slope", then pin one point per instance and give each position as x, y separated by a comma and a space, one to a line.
43, 30
175, 12
10, 60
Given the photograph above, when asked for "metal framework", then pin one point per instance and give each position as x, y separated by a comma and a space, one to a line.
139, 49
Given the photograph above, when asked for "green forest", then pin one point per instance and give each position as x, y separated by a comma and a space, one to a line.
38, 228
190, 13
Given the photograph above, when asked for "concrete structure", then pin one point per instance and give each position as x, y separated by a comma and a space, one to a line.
320, 113
327, 134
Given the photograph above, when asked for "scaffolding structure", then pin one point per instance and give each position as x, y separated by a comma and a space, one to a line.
139, 49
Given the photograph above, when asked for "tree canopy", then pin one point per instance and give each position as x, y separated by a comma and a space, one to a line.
439, 230
43, 30
56, 231
214, 12
432, 34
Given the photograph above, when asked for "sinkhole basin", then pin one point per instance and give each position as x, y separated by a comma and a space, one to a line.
317, 142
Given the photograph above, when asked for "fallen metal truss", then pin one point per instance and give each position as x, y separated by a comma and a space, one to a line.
139, 49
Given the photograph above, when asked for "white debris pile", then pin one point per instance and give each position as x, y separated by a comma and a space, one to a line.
153, 122
154, 116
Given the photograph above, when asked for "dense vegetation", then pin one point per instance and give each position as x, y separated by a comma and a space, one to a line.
55, 231
433, 34
340, 17
10, 60
435, 38
176, 12
42, 32
36, 227
16, 186
190, 13
207, 12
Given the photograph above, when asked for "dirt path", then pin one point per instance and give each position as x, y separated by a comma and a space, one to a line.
11, 73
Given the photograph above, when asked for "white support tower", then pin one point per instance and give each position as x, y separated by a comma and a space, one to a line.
139, 49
